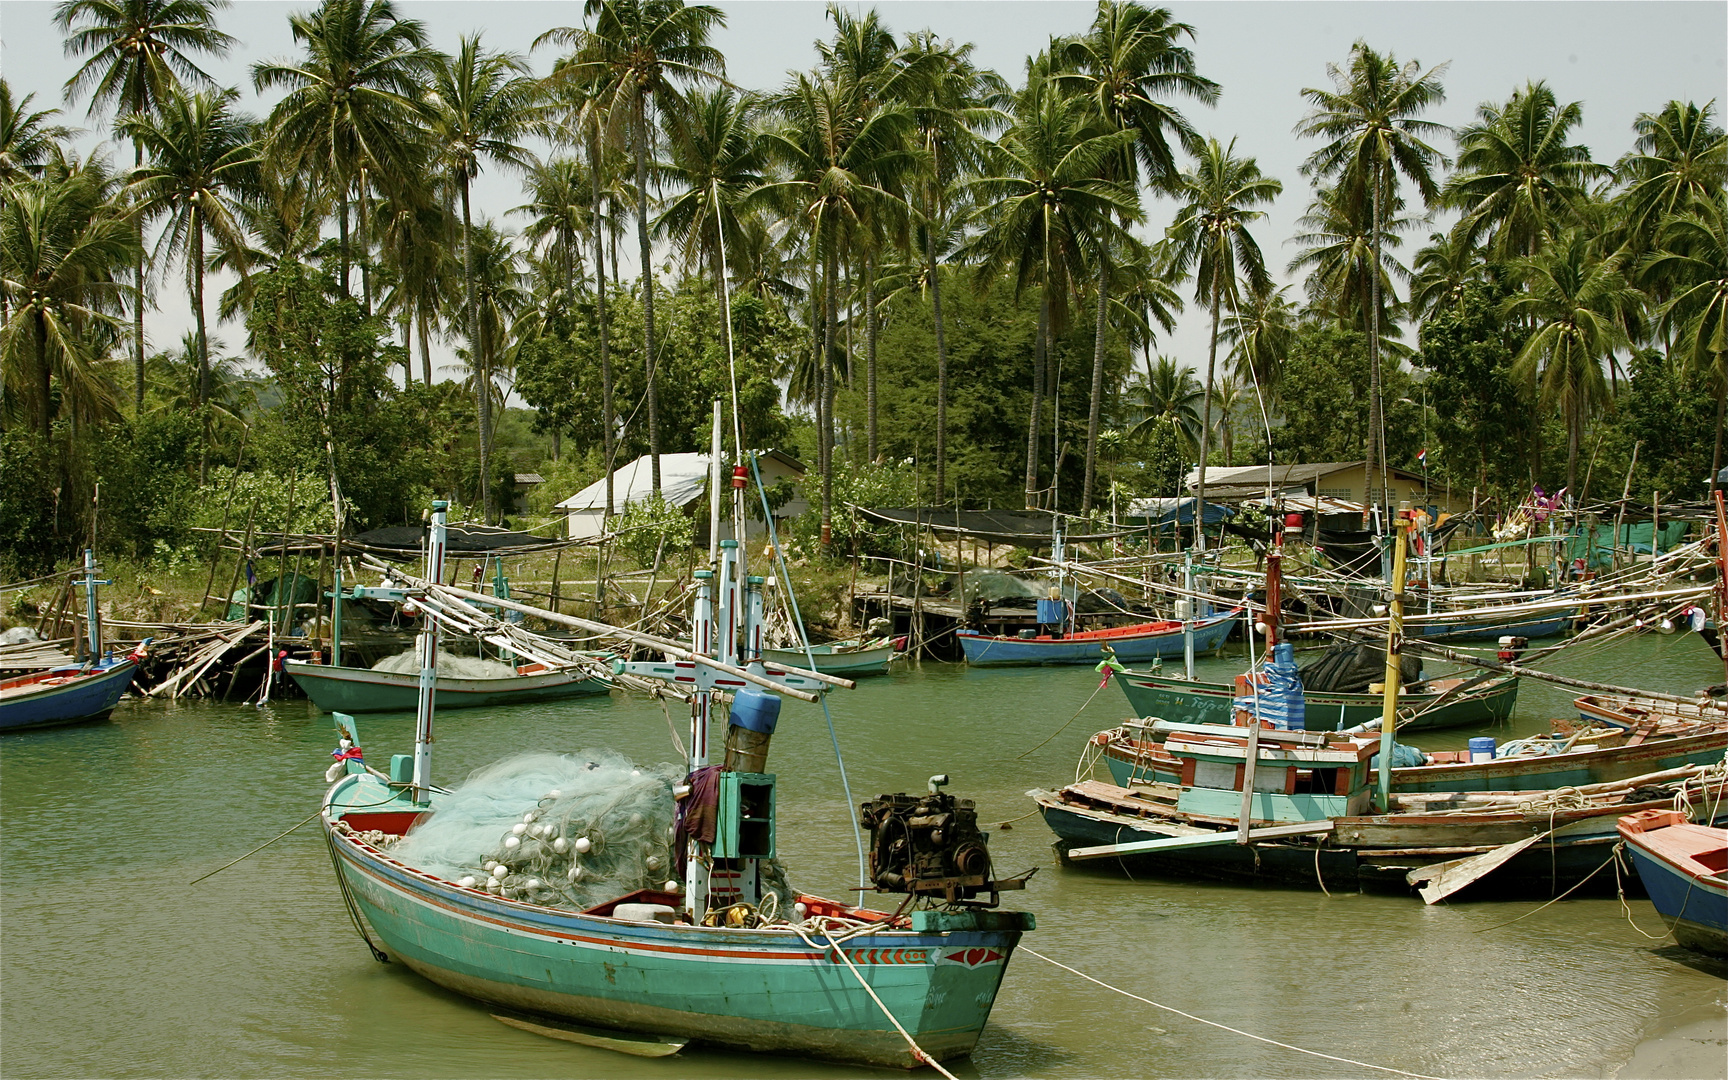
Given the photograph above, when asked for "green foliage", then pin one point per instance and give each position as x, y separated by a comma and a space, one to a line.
559, 373
1672, 412
1482, 426
859, 484
653, 526
1324, 394
990, 335
340, 408
28, 504
149, 483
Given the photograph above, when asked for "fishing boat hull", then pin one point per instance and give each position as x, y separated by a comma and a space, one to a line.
362, 690
54, 698
1188, 702
847, 663
1130, 644
757, 990
1491, 631
1684, 868
1370, 853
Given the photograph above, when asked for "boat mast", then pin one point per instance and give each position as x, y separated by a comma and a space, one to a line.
92, 618
1394, 646
428, 650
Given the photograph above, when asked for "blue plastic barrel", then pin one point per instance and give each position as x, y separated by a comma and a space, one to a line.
1482, 749
756, 711
1052, 612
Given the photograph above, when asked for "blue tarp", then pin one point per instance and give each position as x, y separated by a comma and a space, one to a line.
1278, 696
1161, 512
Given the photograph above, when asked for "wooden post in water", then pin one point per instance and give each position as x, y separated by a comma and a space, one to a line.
1394, 649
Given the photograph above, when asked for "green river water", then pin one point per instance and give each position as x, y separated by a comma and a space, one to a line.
114, 965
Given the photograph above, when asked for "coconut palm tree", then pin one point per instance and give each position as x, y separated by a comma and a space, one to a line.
1259, 331
716, 160
417, 237
1440, 272
1370, 119
1210, 238
1519, 180
954, 105
200, 162
1678, 165
638, 57
27, 139
1167, 393
557, 209
482, 104
355, 111
1124, 66
1051, 200
838, 173
1692, 265
1338, 249
1580, 305
281, 223
140, 52
66, 238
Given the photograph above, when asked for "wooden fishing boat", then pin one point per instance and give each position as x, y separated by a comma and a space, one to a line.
1488, 629
1432, 706
1310, 822
72, 694
364, 690
1135, 755
1684, 868
65, 695
704, 958
1637, 712
848, 658
1130, 644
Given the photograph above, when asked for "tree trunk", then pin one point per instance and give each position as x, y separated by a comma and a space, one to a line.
647, 285
831, 314
425, 344
870, 370
941, 365
606, 434
342, 243
477, 358
1039, 361
197, 267
365, 247
1721, 415
1376, 423
1092, 416
138, 279
1206, 420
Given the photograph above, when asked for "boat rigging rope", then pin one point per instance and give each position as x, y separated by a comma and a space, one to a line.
348, 897
1626, 909
917, 1051
1226, 1027
1101, 685
810, 658
1612, 857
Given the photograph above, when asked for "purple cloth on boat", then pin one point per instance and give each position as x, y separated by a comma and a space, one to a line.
698, 812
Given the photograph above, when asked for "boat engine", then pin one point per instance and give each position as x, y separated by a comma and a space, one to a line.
929, 845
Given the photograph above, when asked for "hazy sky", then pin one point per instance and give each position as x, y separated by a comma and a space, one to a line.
1618, 59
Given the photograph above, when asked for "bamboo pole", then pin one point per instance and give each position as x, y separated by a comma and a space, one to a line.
653, 641
1394, 650
239, 563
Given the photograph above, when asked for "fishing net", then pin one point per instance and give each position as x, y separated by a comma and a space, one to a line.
450, 666
560, 830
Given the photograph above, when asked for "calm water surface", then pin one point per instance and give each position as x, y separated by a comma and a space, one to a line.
114, 965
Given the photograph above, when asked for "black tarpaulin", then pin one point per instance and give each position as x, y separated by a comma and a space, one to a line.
461, 539
1028, 529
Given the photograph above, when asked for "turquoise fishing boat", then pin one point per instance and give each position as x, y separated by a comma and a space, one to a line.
709, 958
851, 659
365, 690
1434, 705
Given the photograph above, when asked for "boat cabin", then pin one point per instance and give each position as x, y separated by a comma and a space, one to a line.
1295, 775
